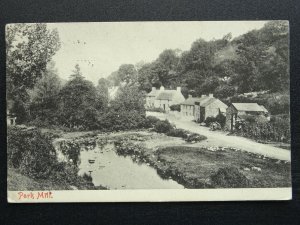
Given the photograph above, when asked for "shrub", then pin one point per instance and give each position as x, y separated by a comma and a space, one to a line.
163, 126
71, 150
178, 133
30, 152
209, 120
249, 118
229, 177
127, 147
221, 119
277, 129
175, 107
149, 122
120, 120
195, 138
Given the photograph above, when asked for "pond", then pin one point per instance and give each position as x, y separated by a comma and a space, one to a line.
119, 172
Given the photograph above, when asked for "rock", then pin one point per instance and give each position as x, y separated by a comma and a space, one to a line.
256, 168
246, 169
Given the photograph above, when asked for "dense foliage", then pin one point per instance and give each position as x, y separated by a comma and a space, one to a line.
32, 154
29, 47
278, 129
255, 61
229, 177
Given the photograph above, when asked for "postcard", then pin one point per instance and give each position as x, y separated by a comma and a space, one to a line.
148, 111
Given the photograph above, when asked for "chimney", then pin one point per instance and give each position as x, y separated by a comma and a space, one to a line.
190, 96
211, 95
162, 88
153, 88
179, 89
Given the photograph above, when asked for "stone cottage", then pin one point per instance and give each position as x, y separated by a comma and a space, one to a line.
238, 111
187, 107
163, 99
208, 106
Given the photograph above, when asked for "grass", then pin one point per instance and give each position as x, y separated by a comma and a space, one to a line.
19, 182
194, 166
197, 165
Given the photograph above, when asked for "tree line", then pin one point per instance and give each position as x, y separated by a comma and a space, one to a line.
257, 60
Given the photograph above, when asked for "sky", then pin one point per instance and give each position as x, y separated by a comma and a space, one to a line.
100, 48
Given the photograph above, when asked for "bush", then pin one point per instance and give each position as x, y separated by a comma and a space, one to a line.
163, 126
71, 150
209, 120
195, 138
221, 119
175, 107
178, 133
277, 129
120, 120
229, 177
30, 152
149, 122
249, 118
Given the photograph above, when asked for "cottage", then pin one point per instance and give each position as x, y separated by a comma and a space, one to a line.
187, 108
208, 106
164, 98
238, 111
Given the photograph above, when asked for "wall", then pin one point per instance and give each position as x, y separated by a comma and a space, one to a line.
150, 100
213, 109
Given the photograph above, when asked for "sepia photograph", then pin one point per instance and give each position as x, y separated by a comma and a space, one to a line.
148, 111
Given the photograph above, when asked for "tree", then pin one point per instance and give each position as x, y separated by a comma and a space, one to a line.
29, 47
129, 98
44, 95
148, 77
77, 74
102, 92
78, 103
209, 86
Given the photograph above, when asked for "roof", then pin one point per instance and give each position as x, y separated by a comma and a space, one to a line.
166, 95
251, 107
263, 108
190, 101
207, 102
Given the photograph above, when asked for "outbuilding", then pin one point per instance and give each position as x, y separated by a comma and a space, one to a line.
238, 111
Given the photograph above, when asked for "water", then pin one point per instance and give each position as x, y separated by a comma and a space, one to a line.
119, 172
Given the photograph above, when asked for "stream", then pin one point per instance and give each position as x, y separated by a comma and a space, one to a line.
119, 172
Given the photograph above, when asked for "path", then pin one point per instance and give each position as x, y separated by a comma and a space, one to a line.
219, 138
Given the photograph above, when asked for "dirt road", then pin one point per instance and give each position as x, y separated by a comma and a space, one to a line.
219, 138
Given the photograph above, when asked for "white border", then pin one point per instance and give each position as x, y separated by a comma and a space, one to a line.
161, 195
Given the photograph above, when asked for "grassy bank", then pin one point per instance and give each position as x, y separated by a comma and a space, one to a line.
199, 167
33, 163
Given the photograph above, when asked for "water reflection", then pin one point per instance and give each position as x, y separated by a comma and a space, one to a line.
118, 172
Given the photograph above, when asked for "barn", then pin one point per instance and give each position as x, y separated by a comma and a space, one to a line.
238, 111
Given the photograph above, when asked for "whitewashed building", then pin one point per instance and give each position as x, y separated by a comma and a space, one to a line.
161, 98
